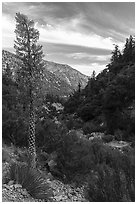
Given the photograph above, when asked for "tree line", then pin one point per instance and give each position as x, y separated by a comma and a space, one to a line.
109, 97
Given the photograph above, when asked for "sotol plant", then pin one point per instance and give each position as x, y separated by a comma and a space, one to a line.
31, 180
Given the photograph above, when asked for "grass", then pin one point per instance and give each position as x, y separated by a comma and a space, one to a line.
31, 180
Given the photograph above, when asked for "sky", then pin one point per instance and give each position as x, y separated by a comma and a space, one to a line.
80, 34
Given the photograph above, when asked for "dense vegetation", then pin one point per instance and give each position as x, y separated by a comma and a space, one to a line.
108, 98
105, 105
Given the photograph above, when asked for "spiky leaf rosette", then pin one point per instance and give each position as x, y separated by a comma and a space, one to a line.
31, 180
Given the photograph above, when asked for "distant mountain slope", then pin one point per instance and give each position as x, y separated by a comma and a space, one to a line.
67, 74
59, 79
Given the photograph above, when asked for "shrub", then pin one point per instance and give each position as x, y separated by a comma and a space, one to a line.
67, 159
107, 138
31, 180
97, 140
70, 122
14, 128
22, 155
79, 157
86, 112
111, 184
104, 185
90, 127
118, 135
73, 123
49, 135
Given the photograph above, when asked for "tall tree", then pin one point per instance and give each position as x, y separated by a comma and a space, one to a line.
93, 76
79, 87
30, 73
129, 50
115, 55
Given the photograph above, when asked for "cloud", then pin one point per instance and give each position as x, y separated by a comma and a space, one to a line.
80, 34
76, 54
87, 69
69, 49
89, 56
8, 27
60, 35
106, 19
87, 22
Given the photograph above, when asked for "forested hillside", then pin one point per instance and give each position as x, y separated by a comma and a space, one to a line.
108, 100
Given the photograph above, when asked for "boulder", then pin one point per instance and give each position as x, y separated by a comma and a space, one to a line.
52, 165
91, 138
11, 182
50, 176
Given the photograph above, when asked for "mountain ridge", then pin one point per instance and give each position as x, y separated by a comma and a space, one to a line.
60, 79
63, 71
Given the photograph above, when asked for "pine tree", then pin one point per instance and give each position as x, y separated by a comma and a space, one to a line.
115, 55
30, 73
79, 87
129, 50
93, 76
114, 65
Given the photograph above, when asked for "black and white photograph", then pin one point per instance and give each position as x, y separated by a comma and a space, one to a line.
68, 101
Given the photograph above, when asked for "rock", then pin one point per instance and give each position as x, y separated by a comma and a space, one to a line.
58, 106
73, 193
80, 133
52, 164
50, 176
6, 186
91, 138
17, 186
11, 182
24, 192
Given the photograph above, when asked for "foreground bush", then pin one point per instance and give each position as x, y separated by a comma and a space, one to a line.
78, 158
104, 185
31, 180
109, 185
113, 178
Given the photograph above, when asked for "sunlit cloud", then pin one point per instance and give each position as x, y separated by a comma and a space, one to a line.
80, 34
8, 27
89, 56
88, 69
60, 35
